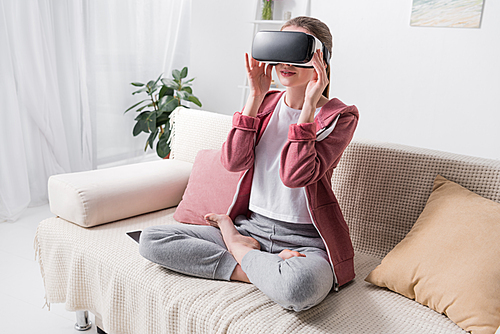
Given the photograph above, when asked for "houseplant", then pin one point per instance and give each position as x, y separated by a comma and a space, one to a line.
267, 9
164, 95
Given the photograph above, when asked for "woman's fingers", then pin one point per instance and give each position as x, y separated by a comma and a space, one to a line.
247, 63
317, 85
257, 64
320, 68
252, 64
259, 75
269, 70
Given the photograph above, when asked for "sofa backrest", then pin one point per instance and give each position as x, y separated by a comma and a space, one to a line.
381, 187
194, 130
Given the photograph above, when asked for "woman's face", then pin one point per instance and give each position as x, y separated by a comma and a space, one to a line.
291, 76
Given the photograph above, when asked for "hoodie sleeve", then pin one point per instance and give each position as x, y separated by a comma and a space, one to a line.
304, 160
238, 152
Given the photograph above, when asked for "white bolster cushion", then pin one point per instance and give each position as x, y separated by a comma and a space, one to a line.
106, 195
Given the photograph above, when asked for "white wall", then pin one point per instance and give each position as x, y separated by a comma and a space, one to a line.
437, 88
221, 34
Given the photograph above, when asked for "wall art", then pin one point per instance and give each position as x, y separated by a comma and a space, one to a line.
447, 13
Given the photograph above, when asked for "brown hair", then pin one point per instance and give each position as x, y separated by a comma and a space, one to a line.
320, 31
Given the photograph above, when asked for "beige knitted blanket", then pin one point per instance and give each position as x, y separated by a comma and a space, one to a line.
99, 269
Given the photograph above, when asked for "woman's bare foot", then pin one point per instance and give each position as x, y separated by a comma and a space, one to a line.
286, 254
237, 244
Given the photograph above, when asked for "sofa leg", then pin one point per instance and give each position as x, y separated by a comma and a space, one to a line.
98, 324
82, 321
100, 331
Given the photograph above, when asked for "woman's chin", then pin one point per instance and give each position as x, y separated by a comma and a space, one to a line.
285, 81
289, 84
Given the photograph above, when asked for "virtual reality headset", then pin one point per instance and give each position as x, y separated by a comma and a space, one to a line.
288, 47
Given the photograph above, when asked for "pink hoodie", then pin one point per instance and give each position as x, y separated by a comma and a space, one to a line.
306, 163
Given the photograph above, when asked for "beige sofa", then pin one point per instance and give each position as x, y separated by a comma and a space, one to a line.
382, 189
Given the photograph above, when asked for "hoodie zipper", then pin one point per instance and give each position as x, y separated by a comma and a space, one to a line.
335, 283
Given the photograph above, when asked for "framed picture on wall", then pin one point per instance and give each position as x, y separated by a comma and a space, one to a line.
447, 13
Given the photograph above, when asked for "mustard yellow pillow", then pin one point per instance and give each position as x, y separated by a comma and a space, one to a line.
450, 260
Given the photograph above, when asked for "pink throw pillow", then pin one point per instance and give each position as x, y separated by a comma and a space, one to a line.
210, 188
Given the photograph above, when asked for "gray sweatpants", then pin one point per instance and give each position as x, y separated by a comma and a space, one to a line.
297, 283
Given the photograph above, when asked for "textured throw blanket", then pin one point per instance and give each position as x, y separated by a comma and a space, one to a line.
99, 269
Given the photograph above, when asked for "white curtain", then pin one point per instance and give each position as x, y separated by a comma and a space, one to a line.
65, 69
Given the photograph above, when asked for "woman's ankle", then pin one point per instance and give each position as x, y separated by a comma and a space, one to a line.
239, 275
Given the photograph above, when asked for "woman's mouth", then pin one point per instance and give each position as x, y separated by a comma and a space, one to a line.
287, 73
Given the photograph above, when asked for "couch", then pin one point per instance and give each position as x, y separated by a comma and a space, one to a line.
89, 263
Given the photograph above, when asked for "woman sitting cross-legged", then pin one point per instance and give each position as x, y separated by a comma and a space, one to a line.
284, 232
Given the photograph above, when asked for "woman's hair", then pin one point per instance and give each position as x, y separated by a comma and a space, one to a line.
320, 31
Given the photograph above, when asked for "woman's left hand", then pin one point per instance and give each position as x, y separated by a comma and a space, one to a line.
316, 86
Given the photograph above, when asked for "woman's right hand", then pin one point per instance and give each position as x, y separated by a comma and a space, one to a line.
259, 76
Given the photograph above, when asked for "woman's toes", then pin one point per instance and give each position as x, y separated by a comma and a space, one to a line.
211, 219
287, 254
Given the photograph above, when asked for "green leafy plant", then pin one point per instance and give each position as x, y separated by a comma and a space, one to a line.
267, 9
164, 96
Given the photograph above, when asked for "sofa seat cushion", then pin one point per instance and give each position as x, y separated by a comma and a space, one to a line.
100, 270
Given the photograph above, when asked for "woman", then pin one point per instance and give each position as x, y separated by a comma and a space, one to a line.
284, 232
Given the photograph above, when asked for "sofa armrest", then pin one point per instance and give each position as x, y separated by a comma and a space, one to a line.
105, 195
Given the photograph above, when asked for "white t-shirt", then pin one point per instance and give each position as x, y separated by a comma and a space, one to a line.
269, 196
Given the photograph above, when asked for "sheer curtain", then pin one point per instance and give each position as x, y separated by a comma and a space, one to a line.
65, 69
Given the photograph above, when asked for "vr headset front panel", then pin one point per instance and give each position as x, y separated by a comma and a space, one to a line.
288, 47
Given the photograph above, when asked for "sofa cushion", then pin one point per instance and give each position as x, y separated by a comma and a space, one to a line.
105, 195
449, 261
211, 188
